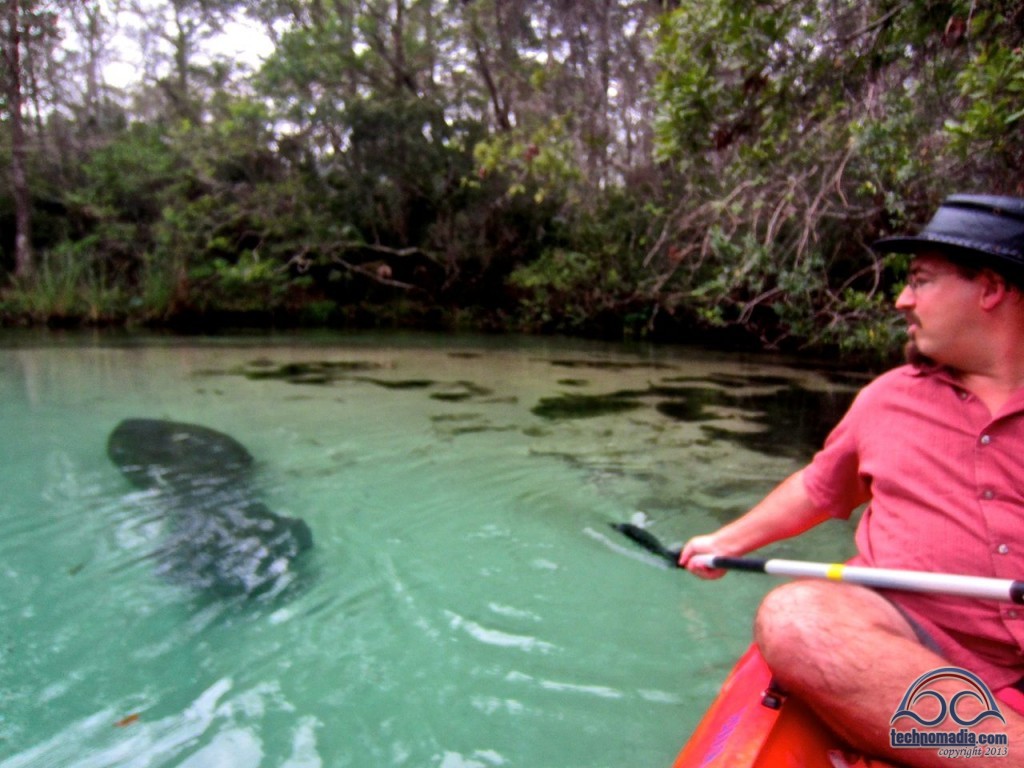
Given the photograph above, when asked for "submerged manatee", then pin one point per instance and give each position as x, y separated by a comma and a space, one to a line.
219, 535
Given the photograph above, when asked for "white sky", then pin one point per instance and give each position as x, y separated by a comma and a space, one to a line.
242, 40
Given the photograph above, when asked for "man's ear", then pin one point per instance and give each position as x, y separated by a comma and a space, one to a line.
994, 289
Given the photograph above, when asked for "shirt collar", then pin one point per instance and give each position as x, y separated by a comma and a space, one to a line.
945, 375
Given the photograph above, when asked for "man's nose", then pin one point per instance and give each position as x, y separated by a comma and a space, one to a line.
906, 298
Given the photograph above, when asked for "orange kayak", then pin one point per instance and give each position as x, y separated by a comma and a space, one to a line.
752, 725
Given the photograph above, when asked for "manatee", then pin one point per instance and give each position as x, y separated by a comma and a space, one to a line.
219, 535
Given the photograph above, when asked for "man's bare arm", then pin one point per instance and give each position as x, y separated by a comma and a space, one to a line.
785, 512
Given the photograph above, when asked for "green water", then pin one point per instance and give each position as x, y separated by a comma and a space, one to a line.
466, 604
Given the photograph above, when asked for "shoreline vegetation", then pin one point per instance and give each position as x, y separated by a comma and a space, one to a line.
398, 317
691, 172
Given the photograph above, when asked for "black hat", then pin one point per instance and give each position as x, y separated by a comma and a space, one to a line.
982, 229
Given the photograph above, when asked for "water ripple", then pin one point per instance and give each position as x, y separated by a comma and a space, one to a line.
496, 637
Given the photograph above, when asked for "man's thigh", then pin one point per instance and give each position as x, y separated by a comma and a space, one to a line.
828, 634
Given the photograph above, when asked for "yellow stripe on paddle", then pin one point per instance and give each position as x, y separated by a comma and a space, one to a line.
835, 571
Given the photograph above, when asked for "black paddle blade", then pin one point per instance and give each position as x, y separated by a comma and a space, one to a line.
648, 541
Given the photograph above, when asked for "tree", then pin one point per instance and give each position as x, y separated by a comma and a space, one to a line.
803, 130
28, 37
14, 31
620, 165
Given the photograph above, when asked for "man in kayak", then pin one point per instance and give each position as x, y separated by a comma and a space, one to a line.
935, 449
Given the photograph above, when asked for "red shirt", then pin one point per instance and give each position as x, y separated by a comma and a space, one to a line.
944, 479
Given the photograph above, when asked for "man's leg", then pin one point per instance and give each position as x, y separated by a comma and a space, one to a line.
851, 655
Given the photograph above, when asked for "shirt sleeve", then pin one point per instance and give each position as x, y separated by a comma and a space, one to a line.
833, 480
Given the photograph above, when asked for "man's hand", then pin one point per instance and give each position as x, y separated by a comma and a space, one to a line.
701, 545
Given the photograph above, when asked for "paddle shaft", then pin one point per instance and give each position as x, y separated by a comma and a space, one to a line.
981, 587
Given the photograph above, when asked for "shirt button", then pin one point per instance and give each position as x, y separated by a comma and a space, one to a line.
1011, 614
986, 439
988, 494
963, 395
1002, 549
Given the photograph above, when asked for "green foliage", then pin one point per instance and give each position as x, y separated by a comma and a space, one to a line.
69, 285
729, 69
250, 284
159, 291
539, 164
509, 164
804, 131
124, 187
869, 326
563, 290
992, 86
591, 281
397, 169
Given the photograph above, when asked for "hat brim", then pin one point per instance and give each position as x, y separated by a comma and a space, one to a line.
977, 228
948, 246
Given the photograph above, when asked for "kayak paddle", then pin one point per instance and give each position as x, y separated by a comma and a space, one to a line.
648, 541
981, 587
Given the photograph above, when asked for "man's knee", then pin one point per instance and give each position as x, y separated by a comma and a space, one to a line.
792, 618
808, 619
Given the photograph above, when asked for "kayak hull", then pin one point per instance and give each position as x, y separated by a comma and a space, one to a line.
751, 725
